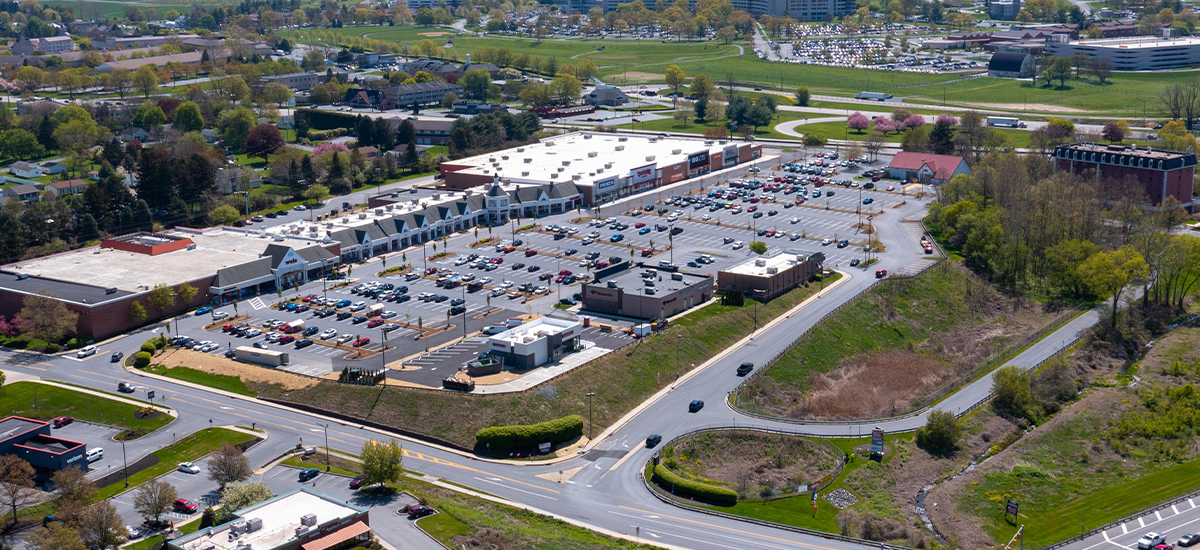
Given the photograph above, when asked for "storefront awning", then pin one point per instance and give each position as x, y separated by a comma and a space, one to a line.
337, 537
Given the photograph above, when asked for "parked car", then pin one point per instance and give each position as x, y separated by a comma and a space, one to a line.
188, 468
419, 511
202, 310
61, 421
362, 342
185, 506
356, 482
309, 473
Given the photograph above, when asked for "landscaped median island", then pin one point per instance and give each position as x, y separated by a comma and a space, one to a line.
188, 448
620, 381
44, 402
891, 349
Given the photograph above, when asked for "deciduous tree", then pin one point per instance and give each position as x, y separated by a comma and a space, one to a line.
940, 434
228, 465
381, 462
16, 483
100, 527
55, 536
154, 498
1111, 273
238, 495
46, 317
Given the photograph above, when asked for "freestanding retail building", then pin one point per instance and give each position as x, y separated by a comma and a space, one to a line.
640, 292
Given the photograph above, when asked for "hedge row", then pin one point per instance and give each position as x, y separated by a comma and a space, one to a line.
503, 438
669, 480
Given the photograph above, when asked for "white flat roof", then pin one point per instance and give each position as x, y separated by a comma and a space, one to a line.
590, 156
761, 267
535, 329
134, 272
303, 228
1138, 42
280, 518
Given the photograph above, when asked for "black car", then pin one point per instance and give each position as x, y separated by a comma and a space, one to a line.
230, 354
457, 302
271, 215
303, 343
400, 299
745, 368
653, 440
358, 320
302, 308
695, 405
533, 268
440, 298
854, 262
117, 356
458, 310
309, 473
402, 289
311, 331
570, 251
343, 315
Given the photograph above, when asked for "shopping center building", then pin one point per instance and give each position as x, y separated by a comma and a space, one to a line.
604, 167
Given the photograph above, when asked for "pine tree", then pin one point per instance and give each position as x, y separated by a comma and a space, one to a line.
46, 134
411, 157
307, 172
142, 217
87, 228
294, 178
113, 154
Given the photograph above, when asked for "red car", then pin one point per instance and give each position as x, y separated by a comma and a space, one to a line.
287, 339
881, 273
647, 252
226, 328
496, 260
419, 511
186, 506
62, 421
374, 323
639, 225
361, 342
565, 272
530, 252
430, 270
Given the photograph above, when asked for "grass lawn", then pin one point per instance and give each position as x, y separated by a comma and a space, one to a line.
620, 380
34, 400
337, 464
693, 127
443, 527
838, 130
187, 449
223, 382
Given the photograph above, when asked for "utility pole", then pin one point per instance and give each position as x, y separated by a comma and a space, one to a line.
590, 395
326, 426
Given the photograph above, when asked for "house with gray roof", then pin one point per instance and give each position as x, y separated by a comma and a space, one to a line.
24, 192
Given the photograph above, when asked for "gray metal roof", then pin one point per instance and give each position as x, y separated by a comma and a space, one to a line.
238, 274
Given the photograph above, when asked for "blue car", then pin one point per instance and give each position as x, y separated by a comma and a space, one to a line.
342, 303
643, 231
868, 200
617, 237
203, 309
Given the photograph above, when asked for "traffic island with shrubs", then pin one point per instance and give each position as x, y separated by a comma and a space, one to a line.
525, 440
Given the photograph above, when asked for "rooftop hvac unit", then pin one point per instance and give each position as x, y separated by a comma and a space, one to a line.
612, 284
599, 170
238, 527
620, 147
676, 151
253, 524
622, 139
300, 529
528, 160
722, 142
760, 263
576, 177
389, 207
329, 226
593, 154
243, 545
437, 196
378, 211
708, 142
553, 175
650, 291
309, 520
562, 168
191, 246
566, 163
587, 136
362, 215
549, 144
491, 159
525, 174
520, 149
772, 270
278, 238
207, 546
649, 158
653, 140
608, 165
110, 290
504, 157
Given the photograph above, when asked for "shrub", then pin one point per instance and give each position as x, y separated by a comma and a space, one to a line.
141, 359
52, 348
503, 438
149, 347
667, 479
160, 342
940, 434
72, 343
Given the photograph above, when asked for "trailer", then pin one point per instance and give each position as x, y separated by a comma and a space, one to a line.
270, 358
874, 96
374, 310
1004, 121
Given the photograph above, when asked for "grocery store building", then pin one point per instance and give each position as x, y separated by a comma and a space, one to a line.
604, 167
640, 292
766, 278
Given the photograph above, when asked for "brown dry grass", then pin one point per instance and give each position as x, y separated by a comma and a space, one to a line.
220, 365
748, 459
871, 383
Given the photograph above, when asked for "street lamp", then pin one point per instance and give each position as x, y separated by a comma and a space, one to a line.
126, 461
590, 395
326, 426
678, 337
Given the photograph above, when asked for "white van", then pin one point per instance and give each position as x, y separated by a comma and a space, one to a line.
738, 245
95, 453
86, 351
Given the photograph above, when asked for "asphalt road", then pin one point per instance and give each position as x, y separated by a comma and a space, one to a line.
607, 493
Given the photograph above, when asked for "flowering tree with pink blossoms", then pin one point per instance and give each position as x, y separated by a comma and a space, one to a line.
858, 122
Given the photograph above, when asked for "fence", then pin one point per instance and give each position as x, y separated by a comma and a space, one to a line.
673, 502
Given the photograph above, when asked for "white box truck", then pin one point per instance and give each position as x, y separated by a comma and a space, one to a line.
374, 310
874, 96
1004, 121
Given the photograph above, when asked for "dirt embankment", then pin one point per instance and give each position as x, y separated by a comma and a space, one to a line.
897, 345
220, 365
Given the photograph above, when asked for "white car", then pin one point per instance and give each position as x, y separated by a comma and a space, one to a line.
345, 338
270, 323
1150, 540
188, 468
706, 217
506, 284
794, 220
211, 346
573, 230
541, 290
593, 234
462, 260
220, 315
202, 345
387, 314
738, 244
358, 306
327, 334
497, 292
134, 532
587, 241
485, 280
826, 242
272, 337
300, 208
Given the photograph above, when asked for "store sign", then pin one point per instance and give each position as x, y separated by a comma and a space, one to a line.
606, 184
696, 160
731, 155
290, 262
877, 440
676, 177
642, 175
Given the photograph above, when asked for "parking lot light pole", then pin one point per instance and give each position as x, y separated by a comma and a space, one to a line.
590, 395
126, 461
326, 426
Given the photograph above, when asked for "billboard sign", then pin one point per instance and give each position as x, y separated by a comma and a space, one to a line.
606, 185
731, 155
877, 440
642, 175
696, 160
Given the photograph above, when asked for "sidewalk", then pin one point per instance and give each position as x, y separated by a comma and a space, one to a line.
541, 374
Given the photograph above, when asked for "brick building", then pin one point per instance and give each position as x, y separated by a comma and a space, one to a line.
1161, 173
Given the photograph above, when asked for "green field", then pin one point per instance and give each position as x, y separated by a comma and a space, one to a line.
187, 449
222, 382
34, 400
645, 61
693, 127
838, 130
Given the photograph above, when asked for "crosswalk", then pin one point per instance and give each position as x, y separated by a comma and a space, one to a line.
309, 370
257, 303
